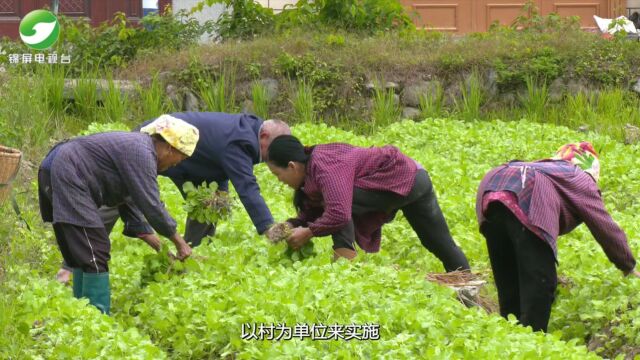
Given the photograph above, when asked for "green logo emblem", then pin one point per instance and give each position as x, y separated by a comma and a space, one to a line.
39, 29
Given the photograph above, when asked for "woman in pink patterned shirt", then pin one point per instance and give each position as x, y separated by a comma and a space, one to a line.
349, 192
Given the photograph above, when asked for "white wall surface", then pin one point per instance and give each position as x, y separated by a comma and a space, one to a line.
213, 12
276, 5
207, 13
150, 4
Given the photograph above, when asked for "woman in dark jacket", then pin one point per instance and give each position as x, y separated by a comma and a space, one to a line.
79, 176
349, 192
522, 207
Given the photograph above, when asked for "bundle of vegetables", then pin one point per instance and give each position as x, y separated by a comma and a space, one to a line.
205, 203
159, 266
280, 232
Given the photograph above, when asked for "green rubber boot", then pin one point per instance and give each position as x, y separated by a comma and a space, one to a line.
77, 283
95, 287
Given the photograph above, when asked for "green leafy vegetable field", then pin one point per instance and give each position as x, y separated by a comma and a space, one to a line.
239, 279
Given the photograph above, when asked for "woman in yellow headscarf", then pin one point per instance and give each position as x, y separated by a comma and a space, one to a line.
80, 175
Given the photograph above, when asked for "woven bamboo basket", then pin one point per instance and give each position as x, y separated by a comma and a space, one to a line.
9, 166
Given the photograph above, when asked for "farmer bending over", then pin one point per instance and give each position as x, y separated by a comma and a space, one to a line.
522, 207
349, 192
80, 175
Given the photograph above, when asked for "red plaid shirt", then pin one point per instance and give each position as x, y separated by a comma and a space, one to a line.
556, 197
332, 173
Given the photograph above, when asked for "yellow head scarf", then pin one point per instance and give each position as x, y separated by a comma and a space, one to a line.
177, 133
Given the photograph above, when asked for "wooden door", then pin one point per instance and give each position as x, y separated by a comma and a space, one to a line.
585, 9
97, 11
442, 15
463, 16
503, 12
162, 5
11, 11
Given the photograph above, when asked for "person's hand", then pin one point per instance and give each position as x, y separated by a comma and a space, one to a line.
63, 276
184, 251
299, 237
152, 240
632, 273
269, 232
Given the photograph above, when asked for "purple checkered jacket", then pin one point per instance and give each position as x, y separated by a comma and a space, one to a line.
557, 196
106, 169
332, 173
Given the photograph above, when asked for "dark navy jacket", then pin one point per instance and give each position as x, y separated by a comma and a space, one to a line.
227, 150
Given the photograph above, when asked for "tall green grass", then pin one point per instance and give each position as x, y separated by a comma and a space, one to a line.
152, 100
432, 103
385, 109
33, 108
260, 99
218, 94
472, 98
606, 112
615, 108
303, 102
85, 96
52, 80
26, 121
116, 104
579, 110
536, 100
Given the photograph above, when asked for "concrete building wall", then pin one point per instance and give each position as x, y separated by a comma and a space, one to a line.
632, 6
207, 13
150, 4
276, 5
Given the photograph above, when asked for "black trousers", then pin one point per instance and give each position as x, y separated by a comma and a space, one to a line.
86, 248
195, 231
523, 267
81, 247
109, 216
423, 212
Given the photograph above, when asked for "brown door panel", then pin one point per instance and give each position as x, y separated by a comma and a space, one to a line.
98, 11
11, 11
133, 9
463, 16
501, 11
74, 8
585, 9
442, 15
162, 5
10, 14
